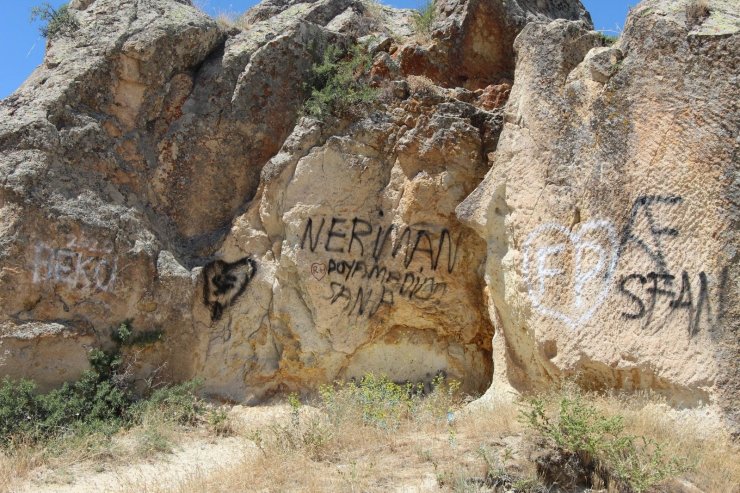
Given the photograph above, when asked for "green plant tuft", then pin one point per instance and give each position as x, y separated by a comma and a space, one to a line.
123, 336
608, 39
576, 428
424, 18
338, 86
56, 22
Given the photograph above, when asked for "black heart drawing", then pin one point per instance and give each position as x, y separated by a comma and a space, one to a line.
225, 282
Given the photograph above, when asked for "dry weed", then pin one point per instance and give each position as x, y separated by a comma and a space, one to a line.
696, 12
421, 85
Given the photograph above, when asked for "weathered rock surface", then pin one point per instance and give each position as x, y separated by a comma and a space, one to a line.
156, 170
611, 208
472, 41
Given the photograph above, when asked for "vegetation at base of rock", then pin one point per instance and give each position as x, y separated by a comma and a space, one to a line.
338, 85
375, 404
56, 22
123, 336
424, 18
696, 12
373, 434
379, 402
589, 446
102, 400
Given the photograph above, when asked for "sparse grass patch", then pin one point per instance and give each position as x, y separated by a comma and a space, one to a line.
375, 435
231, 20
608, 39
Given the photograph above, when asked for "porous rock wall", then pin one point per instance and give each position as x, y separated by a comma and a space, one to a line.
611, 208
156, 170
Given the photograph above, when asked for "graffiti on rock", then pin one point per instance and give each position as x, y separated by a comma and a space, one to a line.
81, 267
370, 265
662, 286
342, 235
643, 292
593, 251
224, 282
651, 244
570, 274
318, 270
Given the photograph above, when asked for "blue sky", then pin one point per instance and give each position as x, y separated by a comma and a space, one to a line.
23, 46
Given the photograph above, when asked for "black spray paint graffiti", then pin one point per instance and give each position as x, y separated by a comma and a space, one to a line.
340, 237
653, 245
363, 283
389, 285
660, 283
225, 282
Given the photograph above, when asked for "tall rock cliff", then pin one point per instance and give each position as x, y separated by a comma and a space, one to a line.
156, 170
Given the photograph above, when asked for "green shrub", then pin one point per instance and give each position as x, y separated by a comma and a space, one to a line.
338, 86
177, 404
56, 22
578, 429
93, 401
123, 336
375, 401
424, 17
101, 400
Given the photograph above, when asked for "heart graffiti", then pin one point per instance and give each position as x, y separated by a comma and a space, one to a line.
594, 250
318, 271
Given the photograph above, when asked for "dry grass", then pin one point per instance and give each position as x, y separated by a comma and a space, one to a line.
231, 20
350, 440
696, 12
317, 454
713, 456
422, 85
60, 460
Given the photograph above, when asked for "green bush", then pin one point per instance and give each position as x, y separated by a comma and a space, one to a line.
123, 336
338, 86
176, 404
577, 428
92, 401
56, 22
424, 17
101, 400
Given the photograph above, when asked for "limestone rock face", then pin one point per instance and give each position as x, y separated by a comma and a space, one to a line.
472, 41
153, 173
156, 170
363, 264
611, 208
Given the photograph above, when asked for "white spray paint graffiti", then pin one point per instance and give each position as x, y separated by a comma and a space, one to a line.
594, 238
78, 270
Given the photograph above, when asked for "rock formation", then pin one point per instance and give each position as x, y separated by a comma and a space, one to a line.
156, 170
